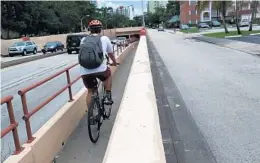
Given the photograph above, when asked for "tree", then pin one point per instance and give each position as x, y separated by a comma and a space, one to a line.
237, 25
221, 5
173, 8
254, 6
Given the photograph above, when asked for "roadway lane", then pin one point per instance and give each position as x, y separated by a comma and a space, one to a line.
250, 39
22, 75
220, 88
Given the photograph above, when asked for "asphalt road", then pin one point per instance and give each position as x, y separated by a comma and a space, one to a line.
250, 39
220, 88
20, 76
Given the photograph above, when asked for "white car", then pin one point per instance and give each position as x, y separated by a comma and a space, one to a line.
244, 23
122, 41
23, 48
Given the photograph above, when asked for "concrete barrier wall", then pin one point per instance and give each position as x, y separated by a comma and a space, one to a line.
40, 41
136, 135
51, 137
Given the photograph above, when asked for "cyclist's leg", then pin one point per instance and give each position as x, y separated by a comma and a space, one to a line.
106, 78
89, 82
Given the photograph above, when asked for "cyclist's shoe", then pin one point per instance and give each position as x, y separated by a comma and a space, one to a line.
108, 98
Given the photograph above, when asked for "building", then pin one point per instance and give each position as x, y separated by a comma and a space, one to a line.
94, 2
152, 5
121, 10
127, 11
131, 12
188, 12
190, 15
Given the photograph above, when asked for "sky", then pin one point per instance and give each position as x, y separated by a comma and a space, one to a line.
116, 3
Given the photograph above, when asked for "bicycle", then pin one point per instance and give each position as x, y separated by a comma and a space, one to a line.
98, 103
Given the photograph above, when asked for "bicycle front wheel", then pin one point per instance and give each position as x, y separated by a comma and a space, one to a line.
94, 116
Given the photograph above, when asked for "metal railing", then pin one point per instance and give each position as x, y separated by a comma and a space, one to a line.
13, 124
27, 114
22, 93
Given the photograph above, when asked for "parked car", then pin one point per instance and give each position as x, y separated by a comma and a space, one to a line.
114, 41
160, 29
184, 26
214, 23
52, 47
244, 23
73, 42
22, 48
122, 41
203, 25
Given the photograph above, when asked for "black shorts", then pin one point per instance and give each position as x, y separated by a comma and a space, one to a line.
90, 80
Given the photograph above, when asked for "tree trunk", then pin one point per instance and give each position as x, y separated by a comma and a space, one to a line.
253, 9
223, 4
238, 28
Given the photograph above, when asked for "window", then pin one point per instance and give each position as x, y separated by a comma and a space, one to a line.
28, 43
193, 12
189, 12
193, 2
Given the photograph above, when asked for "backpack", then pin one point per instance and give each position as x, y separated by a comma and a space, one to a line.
91, 53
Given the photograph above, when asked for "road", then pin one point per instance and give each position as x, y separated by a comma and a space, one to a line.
20, 76
23, 75
250, 39
220, 88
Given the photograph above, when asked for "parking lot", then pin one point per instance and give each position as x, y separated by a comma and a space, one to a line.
250, 39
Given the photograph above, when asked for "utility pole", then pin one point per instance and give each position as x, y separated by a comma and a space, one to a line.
143, 12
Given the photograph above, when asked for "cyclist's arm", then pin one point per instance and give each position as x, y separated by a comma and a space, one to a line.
109, 50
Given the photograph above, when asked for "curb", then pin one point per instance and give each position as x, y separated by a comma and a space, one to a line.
254, 34
245, 51
233, 36
29, 59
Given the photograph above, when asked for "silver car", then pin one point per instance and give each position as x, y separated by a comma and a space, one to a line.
22, 48
244, 23
160, 29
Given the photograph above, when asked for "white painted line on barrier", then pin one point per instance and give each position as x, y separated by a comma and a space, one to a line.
136, 135
233, 36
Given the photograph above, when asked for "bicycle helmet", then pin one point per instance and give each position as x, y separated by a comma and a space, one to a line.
95, 24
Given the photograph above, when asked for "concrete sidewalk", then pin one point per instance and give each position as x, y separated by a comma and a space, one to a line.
232, 44
79, 148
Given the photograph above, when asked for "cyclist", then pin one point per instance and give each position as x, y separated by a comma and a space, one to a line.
103, 71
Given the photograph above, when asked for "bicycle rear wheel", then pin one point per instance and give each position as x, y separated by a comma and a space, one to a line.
94, 116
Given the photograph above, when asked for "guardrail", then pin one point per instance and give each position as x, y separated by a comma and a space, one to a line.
22, 93
13, 124
27, 114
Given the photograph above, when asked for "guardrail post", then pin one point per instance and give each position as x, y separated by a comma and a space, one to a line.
27, 120
117, 49
18, 147
69, 88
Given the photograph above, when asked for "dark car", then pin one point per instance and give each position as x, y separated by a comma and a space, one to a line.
73, 42
52, 47
214, 23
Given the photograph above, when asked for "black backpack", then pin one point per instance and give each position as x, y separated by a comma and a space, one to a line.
91, 53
